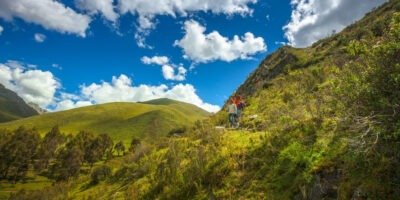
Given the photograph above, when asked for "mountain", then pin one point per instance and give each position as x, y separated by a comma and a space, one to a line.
321, 123
331, 50
161, 101
13, 107
37, 108
330, 115
121, 121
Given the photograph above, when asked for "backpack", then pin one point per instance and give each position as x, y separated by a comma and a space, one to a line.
241, 106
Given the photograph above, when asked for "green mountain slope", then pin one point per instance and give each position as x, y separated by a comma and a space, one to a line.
327, 126
12, 107
121, 121
162, 101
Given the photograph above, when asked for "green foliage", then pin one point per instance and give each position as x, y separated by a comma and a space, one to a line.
178, 131
327, 127
17, 153
120, 147
48, 148
68, 163
100, 173
134, 144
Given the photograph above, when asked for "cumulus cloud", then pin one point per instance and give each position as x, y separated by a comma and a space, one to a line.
50, 14
147, 10
158, 60
170, 71
1, 30
312, 20
43, 88
174, 73
39, 37
121, 89
67, 104
104, 7
201, 47
32, 85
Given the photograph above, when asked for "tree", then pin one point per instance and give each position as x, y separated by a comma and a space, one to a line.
68, 163
134, 143
120, 147
100, 174
89, 145
93, 152
106, 145
48, 147
17, 154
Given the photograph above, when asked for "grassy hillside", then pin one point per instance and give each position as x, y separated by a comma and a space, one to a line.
121, 121
12, 107
328, 127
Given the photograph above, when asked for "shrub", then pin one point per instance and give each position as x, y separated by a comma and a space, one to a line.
177, 131
100, 173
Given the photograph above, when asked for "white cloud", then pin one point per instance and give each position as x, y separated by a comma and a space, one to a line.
170, 73
121, 89
201, 47
50, 14
312, 20
1, 30
42, 88
104, 7
32, 85
158, 60
147, 10
70, 104
39, 37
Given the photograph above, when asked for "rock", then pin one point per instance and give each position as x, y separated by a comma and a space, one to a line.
325, 185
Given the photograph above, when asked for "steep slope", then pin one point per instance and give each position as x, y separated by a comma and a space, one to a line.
12, 106
121, 120
37, 108
331, 50
331, 116
328, 127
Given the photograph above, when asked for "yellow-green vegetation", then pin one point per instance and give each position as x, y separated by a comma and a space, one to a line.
172, 169
321, 123
121, 121
32, 183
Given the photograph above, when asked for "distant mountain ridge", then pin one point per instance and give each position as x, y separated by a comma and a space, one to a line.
322, 122
13, 107
121, 121
38, 109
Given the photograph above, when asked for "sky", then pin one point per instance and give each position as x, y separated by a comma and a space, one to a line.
71, 53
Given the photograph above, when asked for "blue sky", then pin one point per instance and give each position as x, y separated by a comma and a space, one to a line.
71, 62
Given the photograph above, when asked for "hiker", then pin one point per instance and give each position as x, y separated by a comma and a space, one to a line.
240, 107
239, 102
232, 110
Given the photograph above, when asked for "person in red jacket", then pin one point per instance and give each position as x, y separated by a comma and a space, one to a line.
232, 113
239, 103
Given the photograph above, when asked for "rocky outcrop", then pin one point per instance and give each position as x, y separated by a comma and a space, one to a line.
38, 109
13, 107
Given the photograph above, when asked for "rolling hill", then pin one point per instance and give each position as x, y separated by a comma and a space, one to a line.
13, 107
327, 127
121, 121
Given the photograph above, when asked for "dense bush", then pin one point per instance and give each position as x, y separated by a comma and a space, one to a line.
100, 173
